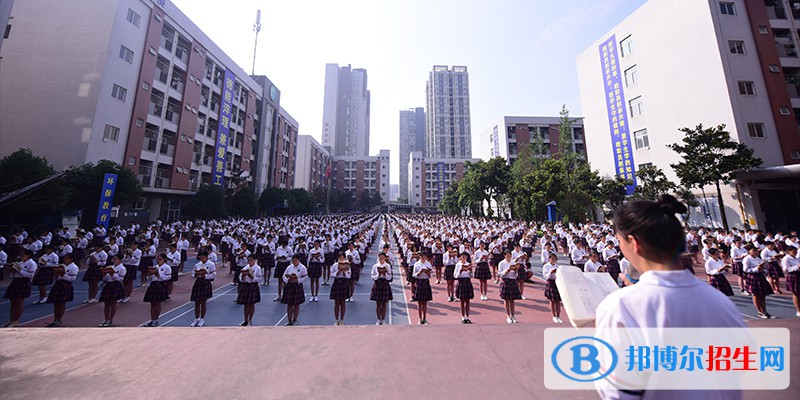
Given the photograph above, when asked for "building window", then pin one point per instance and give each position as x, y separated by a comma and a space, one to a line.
631, 76
736, 46
139, 122
785, 111
133, 18
7, 32
756, 130
140, 204
762, 29
111, 133
727, 8
645, 165
642, 142
747, 88
774, 68
126, 54
132, 160
118, 92
637, 108
145, 86
626, 46
795, 154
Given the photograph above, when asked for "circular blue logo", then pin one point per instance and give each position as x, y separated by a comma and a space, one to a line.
584, 358
273, 93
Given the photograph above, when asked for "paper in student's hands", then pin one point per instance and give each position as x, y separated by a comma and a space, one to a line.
581, 292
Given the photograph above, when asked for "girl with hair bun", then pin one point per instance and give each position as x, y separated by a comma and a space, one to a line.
667, 295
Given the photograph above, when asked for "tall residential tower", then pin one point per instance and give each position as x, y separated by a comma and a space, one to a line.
412, 138
345, 115
448, 130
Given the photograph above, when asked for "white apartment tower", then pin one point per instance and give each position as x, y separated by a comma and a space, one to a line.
448, 130
345, 115
412, 138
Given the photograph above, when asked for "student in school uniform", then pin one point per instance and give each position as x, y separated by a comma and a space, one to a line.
667, 295
482, 271
20, 287
316, 259
774, 271
551, 290
62, 292
44, 274
509, 289
438, 259
133, 257
450, 259
464, 290
174, 261
593, 265
112, 289
355, 264
182, 245
203, 273
423, 294
755, 280
283, 256
579, 255
738, 252
518, 258
790, 264
93, 275
3, 256
293, 295
340, 272
715, 268
147, 261
249, 292
381, 290
611, 257
156, 293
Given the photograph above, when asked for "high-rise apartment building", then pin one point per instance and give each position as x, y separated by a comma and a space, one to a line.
448, 129
510, 135
345, 115
358, 174
412, 138
278, 146
312, 164
429, 177
675, 64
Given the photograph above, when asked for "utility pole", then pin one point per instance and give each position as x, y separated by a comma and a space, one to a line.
256, 29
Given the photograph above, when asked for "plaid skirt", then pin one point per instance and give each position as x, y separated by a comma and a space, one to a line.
464, 289
112, 291
174, 276
438, 260
793, 282
130, 273
737, 268
757, 284
156, 292
448, 272
249, 293
20, 288
720, 282
61, 292
551, 291
509, 290
92, 274
266, 260
774, 270
381, 291
522, 274
184, 256
280, 268
329, 259
423, 291
314, 270
145, 263
201, 290
482, 272
340, 289
612, 266
293, 294
43, 276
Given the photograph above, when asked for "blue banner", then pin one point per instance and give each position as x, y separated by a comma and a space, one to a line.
617, 112
223, 131
106, 199
440, 179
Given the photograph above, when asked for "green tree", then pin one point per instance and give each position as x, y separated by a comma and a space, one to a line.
546, 184
243, 203
86, 182
448, 204
207, 203
710, 157
301, 201
20, 169
652, 183
612, 193
271, 201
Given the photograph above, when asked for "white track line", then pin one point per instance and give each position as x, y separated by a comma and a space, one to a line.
192, 308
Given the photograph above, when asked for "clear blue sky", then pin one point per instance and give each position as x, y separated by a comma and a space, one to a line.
520, 53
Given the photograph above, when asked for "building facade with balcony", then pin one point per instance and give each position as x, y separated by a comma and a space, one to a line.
510, 135
357, 175
675, 64
429, 177
135, 82
412, 138
311, 165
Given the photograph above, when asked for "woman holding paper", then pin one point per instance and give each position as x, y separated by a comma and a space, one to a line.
715, 268
791, 267
551, 290
464, 291
381, 290
204, 273
423, 293
20, 287
340, 291
249, 292
112, 290
293, 294
755, 281
667, 295
509, 289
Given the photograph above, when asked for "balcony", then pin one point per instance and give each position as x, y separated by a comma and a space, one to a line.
775, 9
173, 113
168, 140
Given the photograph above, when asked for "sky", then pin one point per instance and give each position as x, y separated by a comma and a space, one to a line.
520, 54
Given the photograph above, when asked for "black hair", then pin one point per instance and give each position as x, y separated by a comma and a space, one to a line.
201, 254
712, 251
654, 225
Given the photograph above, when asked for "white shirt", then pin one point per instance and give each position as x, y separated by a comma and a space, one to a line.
460, 273
119, 274
579, 256
549, 271
751, 264
210, 267
70, 273
714, 267
376, 275
174, 259
790, 264
163, 273
134, 259
505, 271
591, 266
419, 267
737, 253
257, 274
481, 256
346, 273
27, 271
299, 270
283, 254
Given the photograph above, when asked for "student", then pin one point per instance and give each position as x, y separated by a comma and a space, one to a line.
579, 255
62, 292
423, 294
518, 258
450, 259
667, 295
293, 295
774, 271
464, 290
113, 276
551, 290
791, 267
133, 257
509, 289
738, 252
340, 291
316, 259
755, 282
283, 254
715, 268
44, 274
482, 272
148, 257
203, 273
240, 262
593, 265
355, 264
156, 293
611, 257
249, 292
438, 259
174, 261
381, 290
20, 287
182, 246
93, 274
